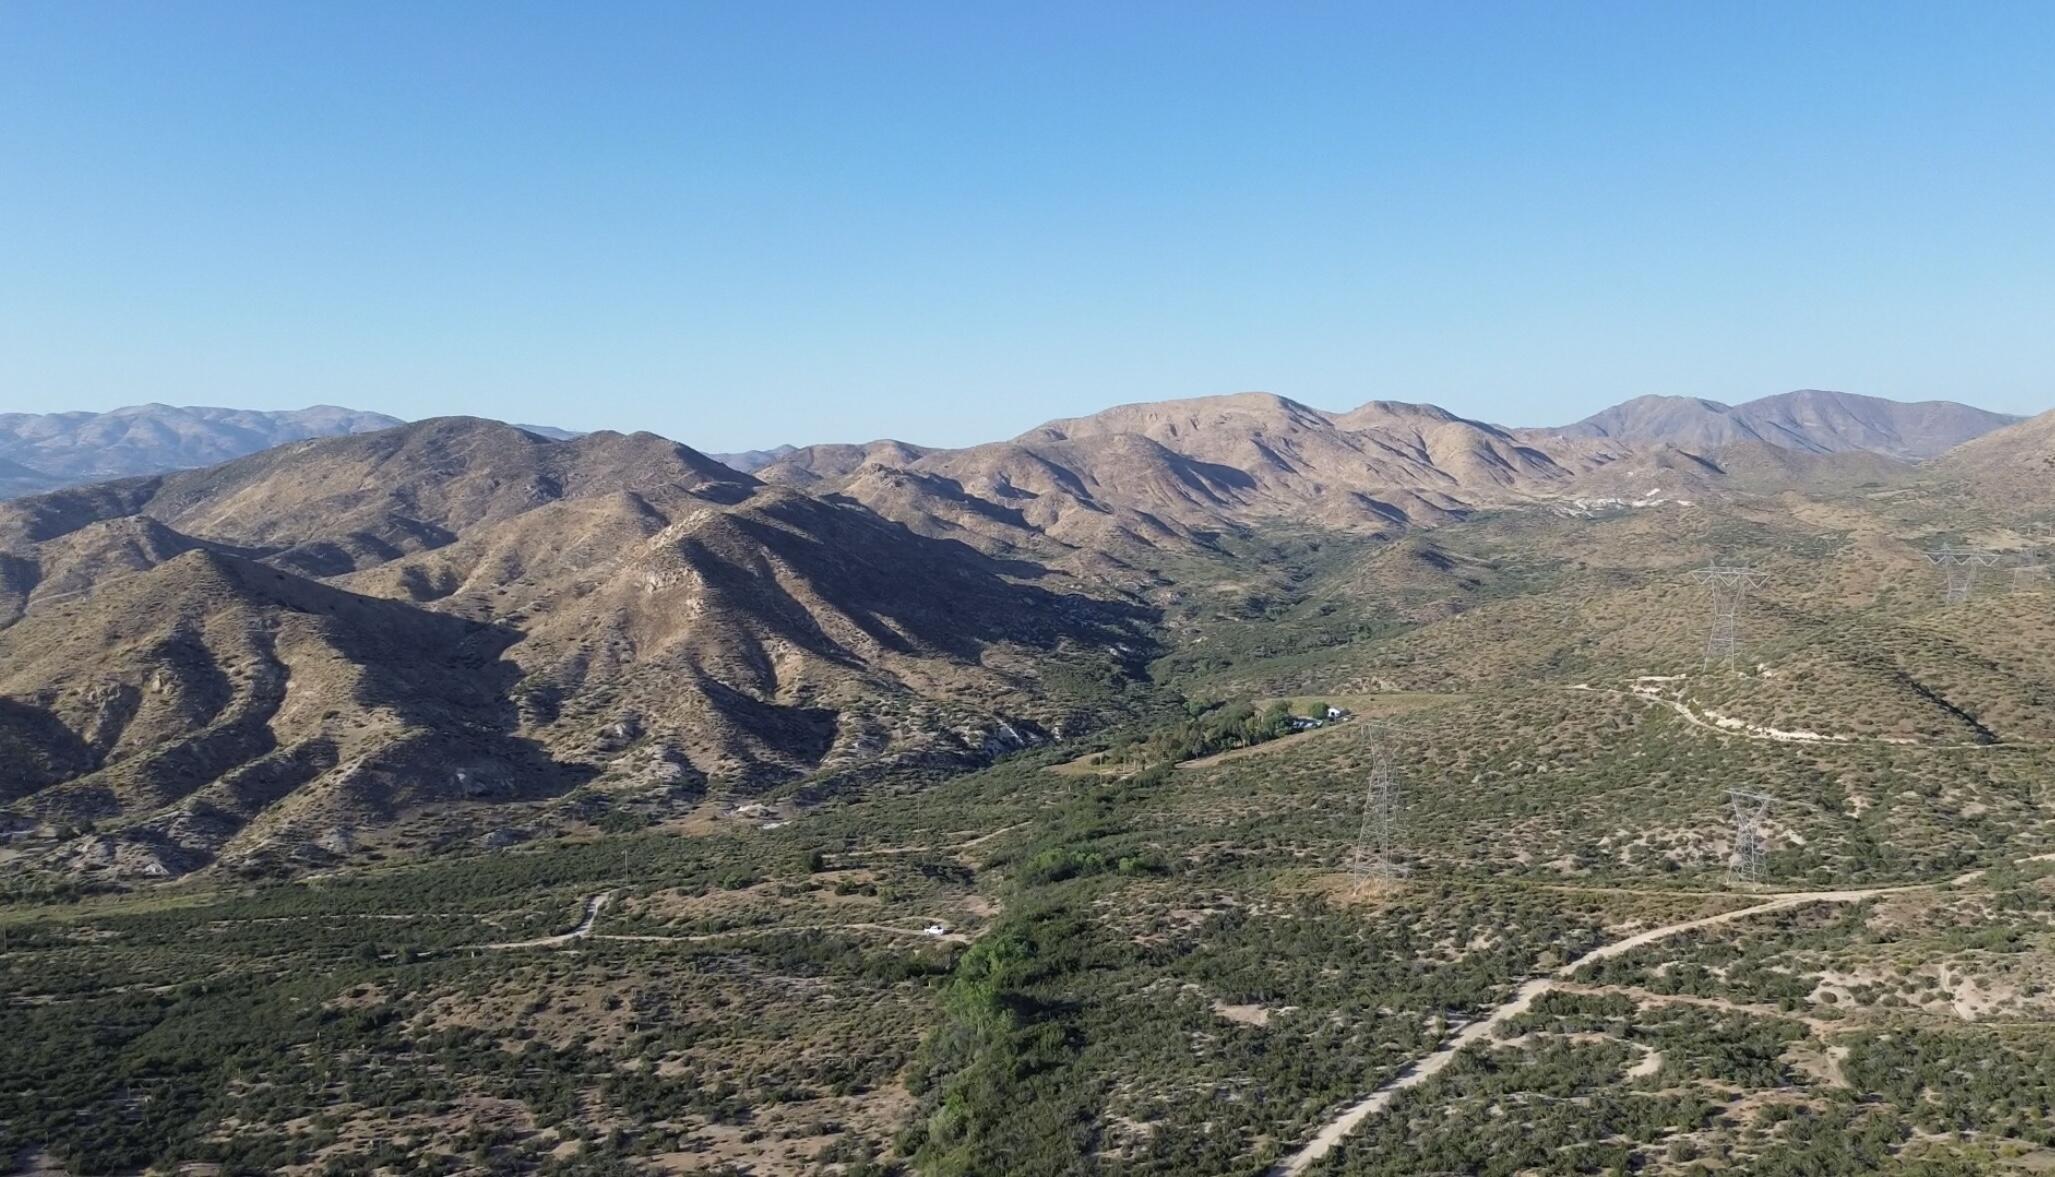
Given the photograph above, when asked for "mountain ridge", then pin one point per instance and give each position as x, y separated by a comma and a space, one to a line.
46, 451
1140, 475
1816, 420
657, 621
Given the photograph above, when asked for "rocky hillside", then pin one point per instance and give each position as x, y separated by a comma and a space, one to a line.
2011, 470
1176, 474
267, 660
1112, 491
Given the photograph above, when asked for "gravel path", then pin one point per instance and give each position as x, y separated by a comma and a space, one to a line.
593, 905
1422, 1069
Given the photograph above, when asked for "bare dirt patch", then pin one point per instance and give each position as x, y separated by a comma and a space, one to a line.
1247, 1015
1092, 764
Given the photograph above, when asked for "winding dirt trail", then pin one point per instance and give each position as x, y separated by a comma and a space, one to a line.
1747, 731
778, 929
1426, 1067
596, 903
593, 906
1698, 721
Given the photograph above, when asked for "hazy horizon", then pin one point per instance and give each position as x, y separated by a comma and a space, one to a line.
629, 427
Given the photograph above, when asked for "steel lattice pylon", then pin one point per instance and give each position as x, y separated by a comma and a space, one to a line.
1727, 585
1959, 567
1376, 858
1746, 867
2030, 574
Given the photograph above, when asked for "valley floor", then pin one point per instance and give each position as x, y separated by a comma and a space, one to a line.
1021, 971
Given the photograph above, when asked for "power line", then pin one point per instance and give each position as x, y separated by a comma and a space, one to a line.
1749, 809
1376, 858
2031, 574
1727, 586
1959, 566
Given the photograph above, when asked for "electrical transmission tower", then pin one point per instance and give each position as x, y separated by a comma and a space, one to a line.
1377, 841
1727, 585
2030, 573
1749, 811
1959, 566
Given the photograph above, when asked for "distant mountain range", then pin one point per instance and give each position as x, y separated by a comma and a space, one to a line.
750, 461
44, 451
17, 479
1810, 420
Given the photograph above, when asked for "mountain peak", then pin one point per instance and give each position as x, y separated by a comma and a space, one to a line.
1381, 413
1172, 418
1812, 420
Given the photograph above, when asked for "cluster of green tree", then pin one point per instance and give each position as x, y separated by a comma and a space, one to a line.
1734, 1049
998, 1081
1069, 862
1210, 728
1842, 1139
28, 889
128, 1081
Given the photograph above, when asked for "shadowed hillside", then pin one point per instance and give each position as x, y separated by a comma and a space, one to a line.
185, 674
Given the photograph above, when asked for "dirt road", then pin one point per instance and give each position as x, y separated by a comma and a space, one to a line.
777, 929
593, 904
1422, 1069
1748, 731
596, 903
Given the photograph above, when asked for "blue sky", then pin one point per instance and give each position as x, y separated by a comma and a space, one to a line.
747, 223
